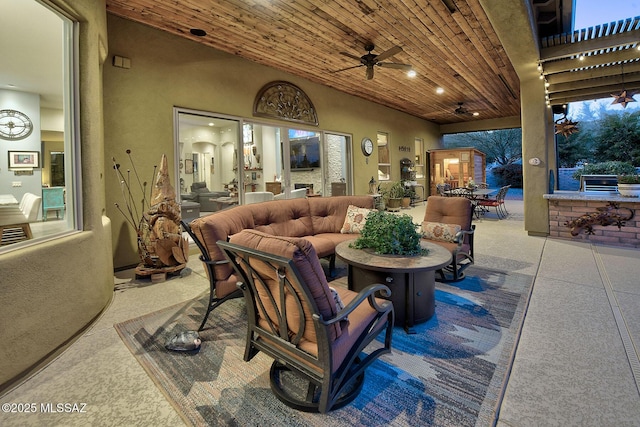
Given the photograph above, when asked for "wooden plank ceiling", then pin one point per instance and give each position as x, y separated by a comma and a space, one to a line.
449, 43
592, 63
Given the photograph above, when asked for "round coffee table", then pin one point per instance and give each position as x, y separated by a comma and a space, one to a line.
411, 279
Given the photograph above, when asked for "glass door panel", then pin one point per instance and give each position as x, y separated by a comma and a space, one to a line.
208, 161
305, 161
338, 170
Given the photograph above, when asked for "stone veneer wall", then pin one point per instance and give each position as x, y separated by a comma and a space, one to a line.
561, 211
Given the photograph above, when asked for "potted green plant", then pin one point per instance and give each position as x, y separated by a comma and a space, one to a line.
406, 197
629, 185
387, 233
392, 195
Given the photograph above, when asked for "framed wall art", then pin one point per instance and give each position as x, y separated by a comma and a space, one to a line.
24, 159
188, 166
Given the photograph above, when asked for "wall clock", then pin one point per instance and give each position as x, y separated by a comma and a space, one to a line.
14, 125
367, 146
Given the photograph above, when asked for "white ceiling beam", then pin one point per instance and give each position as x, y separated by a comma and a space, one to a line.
591, 93
577, 48
590, 61
613, 81
593, 73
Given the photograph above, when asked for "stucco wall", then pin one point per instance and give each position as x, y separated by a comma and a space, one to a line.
50, 291
168, 71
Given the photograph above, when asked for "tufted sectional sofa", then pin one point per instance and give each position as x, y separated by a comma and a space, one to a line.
317, 219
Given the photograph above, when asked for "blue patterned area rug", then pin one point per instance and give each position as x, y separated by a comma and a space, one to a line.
452, 372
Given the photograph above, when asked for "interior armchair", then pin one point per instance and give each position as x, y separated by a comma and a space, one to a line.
447, 222
207, 198
294, 317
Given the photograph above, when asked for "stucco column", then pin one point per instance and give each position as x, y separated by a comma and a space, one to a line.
537, 143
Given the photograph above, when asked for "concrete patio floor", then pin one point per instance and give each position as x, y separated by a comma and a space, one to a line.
577, 362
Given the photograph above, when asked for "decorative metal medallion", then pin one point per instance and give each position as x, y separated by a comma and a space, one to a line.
285, 101
566, 127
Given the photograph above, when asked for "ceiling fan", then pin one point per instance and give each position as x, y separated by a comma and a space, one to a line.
461, 111
370, 60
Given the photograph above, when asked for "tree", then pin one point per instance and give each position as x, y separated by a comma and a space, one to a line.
579, 147
502, 146
618, 138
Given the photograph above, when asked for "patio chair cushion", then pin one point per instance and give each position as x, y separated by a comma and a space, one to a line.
440, 231
355, 220
305, 259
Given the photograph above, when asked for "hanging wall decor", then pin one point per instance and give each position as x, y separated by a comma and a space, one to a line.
285, 101
624, 97
566, 127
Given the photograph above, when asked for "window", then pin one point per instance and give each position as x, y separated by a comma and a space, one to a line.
384, 162
44, 71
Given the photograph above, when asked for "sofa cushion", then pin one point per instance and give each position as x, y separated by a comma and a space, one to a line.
440, 231
283, 218
450, 210
328, 213
305, 259
209, 229
355, 219
199, 187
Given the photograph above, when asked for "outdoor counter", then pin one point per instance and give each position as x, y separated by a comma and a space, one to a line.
597, 217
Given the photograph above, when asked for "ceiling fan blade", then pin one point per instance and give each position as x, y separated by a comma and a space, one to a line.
369, 73
348, 68
389, 53
357, 58
395, 65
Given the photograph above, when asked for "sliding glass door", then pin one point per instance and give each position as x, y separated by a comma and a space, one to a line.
222, 159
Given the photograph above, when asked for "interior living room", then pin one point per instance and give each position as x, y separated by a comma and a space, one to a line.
256, 102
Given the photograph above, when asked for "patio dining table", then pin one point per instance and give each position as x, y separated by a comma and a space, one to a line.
473, 194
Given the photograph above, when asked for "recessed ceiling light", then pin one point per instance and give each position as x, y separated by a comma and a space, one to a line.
411, 73
198, 32
210, 123
476, 113
439, 91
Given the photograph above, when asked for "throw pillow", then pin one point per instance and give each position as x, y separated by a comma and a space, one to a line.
440, 231
354, 220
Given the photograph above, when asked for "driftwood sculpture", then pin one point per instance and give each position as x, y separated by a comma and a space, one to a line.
608, 215
161, 247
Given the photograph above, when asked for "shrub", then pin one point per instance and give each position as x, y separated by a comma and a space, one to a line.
388, 233
614, 167
628, 179
510, 174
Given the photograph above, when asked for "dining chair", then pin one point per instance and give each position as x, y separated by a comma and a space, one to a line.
442, 189
497, 202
